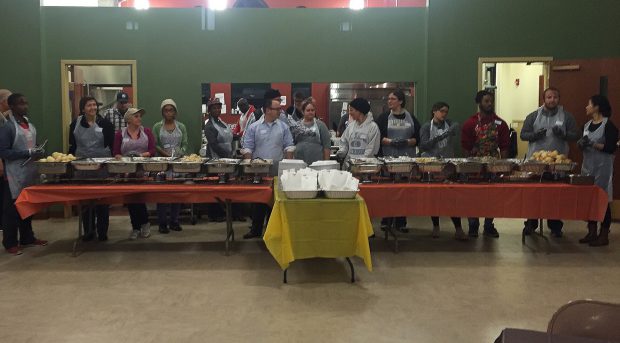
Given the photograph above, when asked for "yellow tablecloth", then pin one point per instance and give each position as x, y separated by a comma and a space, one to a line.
330, 228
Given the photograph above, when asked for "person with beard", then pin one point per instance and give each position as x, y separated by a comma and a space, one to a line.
549, 128
485, 134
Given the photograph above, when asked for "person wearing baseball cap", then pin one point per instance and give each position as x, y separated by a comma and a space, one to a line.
135, 140
116, 114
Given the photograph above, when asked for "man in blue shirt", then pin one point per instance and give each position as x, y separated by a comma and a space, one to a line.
267, 138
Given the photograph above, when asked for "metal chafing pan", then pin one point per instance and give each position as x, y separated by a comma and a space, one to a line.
576, 179
403, 165
57, 168
465, 166
365, 165
500, 166
123, 165
534, 167
155, 164
256, 166
180, 166
562, 167
222, 165
89, 164
428, 165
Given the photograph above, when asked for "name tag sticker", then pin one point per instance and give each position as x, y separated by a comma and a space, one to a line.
559, 123
498, 122
98, 129
125, 140
262, 132
167, 146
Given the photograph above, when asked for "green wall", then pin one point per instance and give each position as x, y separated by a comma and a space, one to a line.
461, 31
437, 47
174, 55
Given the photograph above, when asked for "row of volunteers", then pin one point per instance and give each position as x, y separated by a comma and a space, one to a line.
270, 133
485, 134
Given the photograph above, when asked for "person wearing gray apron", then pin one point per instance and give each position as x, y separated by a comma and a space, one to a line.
437, 140
135, 140
548, 128
312, 139
171, 139
400, 134
18, 138
219, 145
92, 136
599, 143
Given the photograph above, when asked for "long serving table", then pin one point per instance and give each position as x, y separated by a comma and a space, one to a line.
35, 198
308, 228
492, 200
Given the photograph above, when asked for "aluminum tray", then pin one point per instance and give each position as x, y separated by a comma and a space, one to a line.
562, 167
464, 166
399, 167
155, 164
122, 166
500, 166
365, 168
301, 194
576, 179
432, 167
57, 168
340, 194
187, 167
222, 166
537, 168
89, 164
256, 166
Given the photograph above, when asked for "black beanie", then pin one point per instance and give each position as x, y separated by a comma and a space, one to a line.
361, 105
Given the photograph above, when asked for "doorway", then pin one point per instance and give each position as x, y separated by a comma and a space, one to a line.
518, 83
101, 79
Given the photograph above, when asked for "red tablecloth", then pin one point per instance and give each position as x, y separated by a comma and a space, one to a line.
34, 199
554, 201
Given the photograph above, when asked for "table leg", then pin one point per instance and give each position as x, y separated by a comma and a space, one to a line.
542, 234
285, 280
352, 269
79, 237
389, 231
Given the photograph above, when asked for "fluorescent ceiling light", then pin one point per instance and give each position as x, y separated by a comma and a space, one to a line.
218, 5
356, 4
81, 3
142, 4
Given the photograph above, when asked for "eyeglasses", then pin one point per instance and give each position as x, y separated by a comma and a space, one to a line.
274, 108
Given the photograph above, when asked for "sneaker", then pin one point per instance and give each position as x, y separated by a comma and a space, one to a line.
145, 230
14, 251
384, 227
176, 227
435, 233
490, 231
164, 229
36, 243
134, 234
102, 238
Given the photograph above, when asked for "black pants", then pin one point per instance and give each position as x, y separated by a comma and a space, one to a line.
137, 215
259, 213
474, 223
554, 225
395, 222
455, 220
96, 217
162, 214
606, 221
13, 223
2, 185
